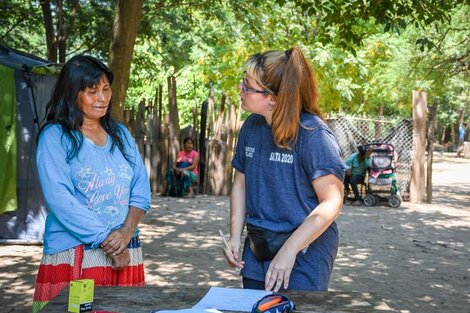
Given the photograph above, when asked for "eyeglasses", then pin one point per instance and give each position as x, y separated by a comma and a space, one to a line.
245, 88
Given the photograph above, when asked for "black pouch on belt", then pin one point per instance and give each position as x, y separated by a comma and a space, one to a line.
265, 243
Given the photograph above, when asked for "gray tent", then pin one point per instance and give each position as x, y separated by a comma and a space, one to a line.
26, 82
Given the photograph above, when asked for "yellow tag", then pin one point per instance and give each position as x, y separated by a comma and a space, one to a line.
81, 295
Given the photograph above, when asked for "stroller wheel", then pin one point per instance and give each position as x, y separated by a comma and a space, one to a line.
394, 201
370, 200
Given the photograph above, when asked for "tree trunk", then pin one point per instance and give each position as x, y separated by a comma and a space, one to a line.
126, 24
49, 28
60, 39
63, 30
57, 43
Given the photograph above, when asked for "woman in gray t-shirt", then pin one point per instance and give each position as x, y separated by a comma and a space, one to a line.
288, 186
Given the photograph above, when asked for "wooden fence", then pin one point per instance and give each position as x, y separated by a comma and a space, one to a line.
159, 138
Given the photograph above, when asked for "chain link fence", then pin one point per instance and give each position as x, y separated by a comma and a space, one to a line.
353, 131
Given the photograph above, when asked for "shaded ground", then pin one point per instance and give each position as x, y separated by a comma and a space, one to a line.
415, 257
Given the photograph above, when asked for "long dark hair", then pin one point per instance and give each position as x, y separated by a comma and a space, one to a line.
80, 72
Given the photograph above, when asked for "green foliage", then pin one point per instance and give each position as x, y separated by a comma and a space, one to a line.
367, 54
92, 30
394, 16
22, 26
17, 19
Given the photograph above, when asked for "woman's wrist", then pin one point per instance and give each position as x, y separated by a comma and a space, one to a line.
236, 238
235, 241
128, 231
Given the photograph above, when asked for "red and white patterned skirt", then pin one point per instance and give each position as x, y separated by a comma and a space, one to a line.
81, 262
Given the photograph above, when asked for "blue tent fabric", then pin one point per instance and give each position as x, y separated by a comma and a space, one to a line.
33, 91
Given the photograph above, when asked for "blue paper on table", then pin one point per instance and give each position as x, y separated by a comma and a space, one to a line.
231, 299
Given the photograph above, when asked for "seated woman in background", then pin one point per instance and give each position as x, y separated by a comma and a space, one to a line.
184, 173
357, 164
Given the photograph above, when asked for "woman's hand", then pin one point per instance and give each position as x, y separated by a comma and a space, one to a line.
117, 241
232, 255
122, 260
279, 270
329, 189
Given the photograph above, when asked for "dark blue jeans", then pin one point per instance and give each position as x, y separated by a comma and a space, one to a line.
354, 181
249, 283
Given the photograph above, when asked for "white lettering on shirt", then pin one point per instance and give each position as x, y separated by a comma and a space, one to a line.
249, 151
281, 157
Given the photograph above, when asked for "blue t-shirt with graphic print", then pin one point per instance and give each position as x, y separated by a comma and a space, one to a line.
89, 196
278, 181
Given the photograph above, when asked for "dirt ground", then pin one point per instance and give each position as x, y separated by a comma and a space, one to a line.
416, 257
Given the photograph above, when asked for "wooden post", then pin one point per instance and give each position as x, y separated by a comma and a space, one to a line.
217, 152
163, 148
210, 113
231, 127
155, 158
202, 147
129, 120
149, 135
429, 150
160, 105
222, 103
174, 121
160, 143
140, 129
417, 185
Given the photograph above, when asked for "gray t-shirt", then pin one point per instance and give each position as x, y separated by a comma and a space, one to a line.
278, 181
279, 193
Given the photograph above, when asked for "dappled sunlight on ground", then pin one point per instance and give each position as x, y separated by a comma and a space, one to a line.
18, 269
415, 257
185, 244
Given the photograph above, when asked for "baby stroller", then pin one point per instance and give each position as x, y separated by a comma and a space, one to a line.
382, 182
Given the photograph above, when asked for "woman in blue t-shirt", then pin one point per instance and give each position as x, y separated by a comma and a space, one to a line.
95, 186
288, 186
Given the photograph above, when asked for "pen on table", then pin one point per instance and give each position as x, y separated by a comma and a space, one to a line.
227, 246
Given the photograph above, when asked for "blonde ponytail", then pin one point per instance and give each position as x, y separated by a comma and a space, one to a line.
290, 77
